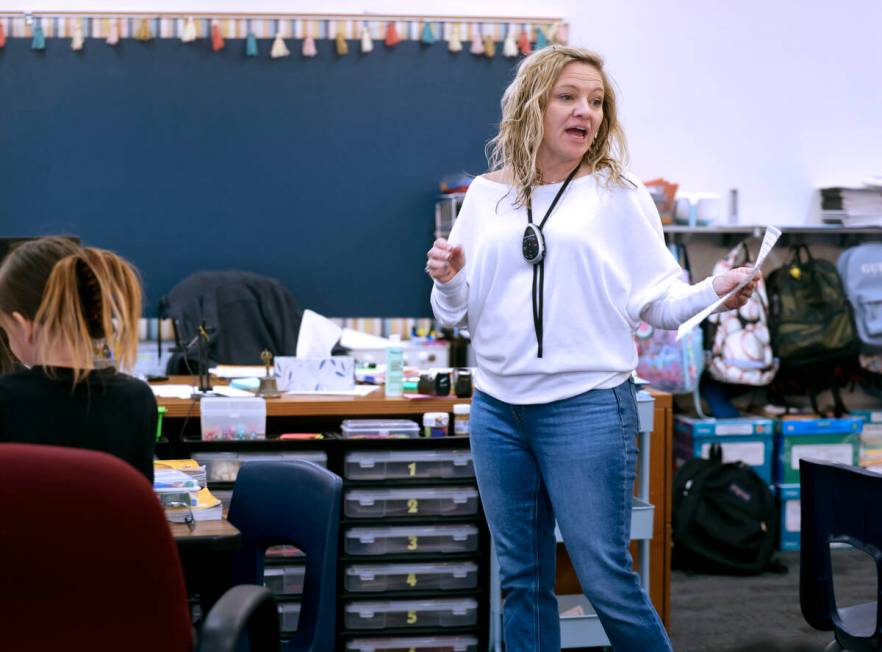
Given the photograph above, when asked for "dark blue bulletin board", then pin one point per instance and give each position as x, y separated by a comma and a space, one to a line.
320, 172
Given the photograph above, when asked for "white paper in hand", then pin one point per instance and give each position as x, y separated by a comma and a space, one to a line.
769, 239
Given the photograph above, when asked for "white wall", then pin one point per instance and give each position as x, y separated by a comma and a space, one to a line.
773, 97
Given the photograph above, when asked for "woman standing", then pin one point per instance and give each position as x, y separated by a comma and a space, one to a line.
565, 256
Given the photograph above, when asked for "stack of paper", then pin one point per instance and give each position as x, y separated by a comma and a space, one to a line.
852, 207
180, 487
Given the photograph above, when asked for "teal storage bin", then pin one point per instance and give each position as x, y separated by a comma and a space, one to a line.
791, 516
829, 440
743, 439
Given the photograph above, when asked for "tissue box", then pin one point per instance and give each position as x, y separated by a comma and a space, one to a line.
315, 374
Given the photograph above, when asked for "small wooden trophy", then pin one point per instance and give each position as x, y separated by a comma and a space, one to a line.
268, 387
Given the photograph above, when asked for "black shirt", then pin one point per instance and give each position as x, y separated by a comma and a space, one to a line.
106, 411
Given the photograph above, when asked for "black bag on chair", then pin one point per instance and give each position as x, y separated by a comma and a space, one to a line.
725, 519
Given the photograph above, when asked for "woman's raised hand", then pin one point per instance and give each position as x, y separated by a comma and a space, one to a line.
444, 260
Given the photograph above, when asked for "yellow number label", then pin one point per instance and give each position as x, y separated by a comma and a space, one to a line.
411, 543
411, 579
411, 618
413, 506
411, 469
413, 649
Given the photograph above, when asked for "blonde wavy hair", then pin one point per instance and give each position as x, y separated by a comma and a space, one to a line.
516, 145
84, 300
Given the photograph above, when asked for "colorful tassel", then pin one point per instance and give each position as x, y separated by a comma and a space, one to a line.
113, 32
39, 40
2, 36
250, 45
189, 33
367, 43
143, 32
78, 40
392, 38
489, 47
541, 39
509, 47
560, 34
309, 49
217, 39
477, 44
454, 44
342, 47
427, 37
524, 43
279, 48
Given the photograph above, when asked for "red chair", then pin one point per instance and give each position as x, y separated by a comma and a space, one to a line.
87, 561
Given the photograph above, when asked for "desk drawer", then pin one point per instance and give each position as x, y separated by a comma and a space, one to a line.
411, 540
398, 465
443, 576
289, 616
284, 580
411, 502
411, 613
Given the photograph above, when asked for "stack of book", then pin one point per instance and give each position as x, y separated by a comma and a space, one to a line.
180, 487
853, 207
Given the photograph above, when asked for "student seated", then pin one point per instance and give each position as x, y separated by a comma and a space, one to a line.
70, 315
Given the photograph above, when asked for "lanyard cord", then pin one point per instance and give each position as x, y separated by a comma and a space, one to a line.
539, 268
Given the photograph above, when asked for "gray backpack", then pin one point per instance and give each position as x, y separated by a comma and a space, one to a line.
861, 270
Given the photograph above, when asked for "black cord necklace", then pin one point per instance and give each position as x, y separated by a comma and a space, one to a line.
533, 249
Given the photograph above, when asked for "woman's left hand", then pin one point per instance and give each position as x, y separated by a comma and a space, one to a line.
725, 283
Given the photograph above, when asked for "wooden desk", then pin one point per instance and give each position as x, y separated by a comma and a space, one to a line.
207, 536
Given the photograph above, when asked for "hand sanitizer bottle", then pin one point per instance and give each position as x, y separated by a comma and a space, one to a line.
394, 366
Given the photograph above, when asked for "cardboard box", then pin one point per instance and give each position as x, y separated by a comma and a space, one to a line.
744, 439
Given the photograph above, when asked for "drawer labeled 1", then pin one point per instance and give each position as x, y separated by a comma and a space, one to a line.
399, 465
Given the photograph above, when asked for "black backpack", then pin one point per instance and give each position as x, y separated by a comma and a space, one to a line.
811, 327
725, 519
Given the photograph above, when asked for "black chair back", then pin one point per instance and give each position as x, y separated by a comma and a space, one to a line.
295, 503
839, 503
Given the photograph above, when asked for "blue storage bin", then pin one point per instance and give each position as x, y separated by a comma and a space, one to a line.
788, 502
743, 439
829, 440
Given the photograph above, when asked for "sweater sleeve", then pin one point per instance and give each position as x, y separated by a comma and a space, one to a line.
450, 300
659, 294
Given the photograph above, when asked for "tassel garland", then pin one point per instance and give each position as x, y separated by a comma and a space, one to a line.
279, 48
78, 40
367, 43
39, 40
392, 38
477, 46
454, 44
489, 47
113, 32
427, 37
2, 36
309, 49
250, 45
217, 39
342, 47
541, 39
524, 43
189, 33
143, 32
509, 47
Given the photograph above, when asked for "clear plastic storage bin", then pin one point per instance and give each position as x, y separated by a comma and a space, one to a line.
229, 419
443, 576
461, 612
225, 496
379, 428
224, 467
396, 465
421, 644
414, 539
415, 502
284, 552
284, 579
289, 616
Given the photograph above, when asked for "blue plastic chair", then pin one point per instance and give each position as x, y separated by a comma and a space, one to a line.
839, 503
292, 503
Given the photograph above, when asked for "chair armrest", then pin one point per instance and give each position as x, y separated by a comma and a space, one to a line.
246, 607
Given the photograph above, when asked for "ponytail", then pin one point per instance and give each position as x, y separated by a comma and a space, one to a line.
91, 296
84, 301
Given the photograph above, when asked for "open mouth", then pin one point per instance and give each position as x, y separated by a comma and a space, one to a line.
578, 132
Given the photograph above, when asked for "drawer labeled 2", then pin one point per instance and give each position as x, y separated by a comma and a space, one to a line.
461, 612
429, 576
411, 502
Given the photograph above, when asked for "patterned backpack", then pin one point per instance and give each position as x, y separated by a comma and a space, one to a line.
667, 364
741, 349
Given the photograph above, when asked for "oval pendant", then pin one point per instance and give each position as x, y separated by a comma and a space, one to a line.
533, 245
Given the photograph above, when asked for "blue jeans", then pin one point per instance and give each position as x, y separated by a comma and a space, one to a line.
574, 459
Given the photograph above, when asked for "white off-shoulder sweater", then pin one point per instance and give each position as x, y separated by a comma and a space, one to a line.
606, 268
